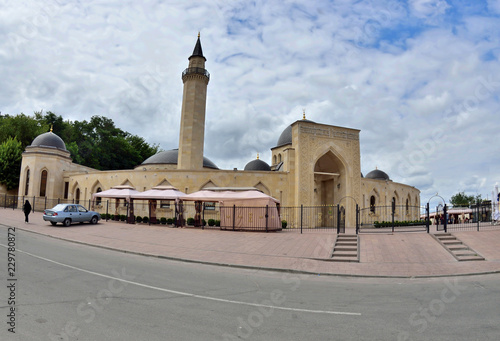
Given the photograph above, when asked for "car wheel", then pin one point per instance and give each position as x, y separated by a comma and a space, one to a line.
93, 220
53, 223
67, 222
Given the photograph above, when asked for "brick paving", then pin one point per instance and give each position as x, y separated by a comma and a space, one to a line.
388, 255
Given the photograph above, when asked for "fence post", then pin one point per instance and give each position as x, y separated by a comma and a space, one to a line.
267, 215
478, 216
445, 213
107, 212
393, 209
357, 218
338, 218
234, 216
301, 216
428, 217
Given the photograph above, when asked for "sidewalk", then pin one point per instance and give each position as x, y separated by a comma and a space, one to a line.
381, 255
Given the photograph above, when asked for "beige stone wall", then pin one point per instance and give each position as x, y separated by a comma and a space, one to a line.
384, 191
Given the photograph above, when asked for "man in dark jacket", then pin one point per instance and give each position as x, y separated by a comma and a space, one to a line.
26, 210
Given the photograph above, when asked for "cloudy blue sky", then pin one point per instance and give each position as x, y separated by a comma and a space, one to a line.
419, 78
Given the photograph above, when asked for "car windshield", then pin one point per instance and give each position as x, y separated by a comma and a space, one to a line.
58, 207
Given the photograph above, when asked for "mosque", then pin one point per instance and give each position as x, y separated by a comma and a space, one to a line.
312, 164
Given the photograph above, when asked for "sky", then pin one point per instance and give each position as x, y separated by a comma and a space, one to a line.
419, 78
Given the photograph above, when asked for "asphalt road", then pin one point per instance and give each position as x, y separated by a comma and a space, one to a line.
67, 291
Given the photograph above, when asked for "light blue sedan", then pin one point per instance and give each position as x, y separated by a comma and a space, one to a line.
70, 213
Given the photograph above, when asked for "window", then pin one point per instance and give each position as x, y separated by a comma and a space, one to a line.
209, 206
164, 203
77, 195
27, 186
407, 207
279, 157
43, 183
66, 189
372, 204
98, 199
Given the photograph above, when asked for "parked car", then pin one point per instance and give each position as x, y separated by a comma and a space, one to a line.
70, 213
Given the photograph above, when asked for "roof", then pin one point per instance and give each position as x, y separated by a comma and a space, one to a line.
257, 165
49, 139
377, 174
214, 196
198, 52
286, 136
159, 193
171, 157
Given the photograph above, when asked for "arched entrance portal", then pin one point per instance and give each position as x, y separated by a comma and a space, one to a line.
329, 180
329, 187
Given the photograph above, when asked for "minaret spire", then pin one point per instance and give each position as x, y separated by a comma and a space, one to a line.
194, 100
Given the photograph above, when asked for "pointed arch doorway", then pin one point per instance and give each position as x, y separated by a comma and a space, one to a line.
329, 187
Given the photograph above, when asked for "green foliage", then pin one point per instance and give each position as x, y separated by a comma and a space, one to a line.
170, 221
462, 200
97, 144
10, 162
138, 219
284, 224
163, 220
190, 221
378, 224
217, 223
145, 219
123, 217
211, 222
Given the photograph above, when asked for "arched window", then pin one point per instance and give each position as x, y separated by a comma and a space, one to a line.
372, 204
43, 183
98, 199
275, 160
27, 186
77, 196
407, 207
279, 157
393, 204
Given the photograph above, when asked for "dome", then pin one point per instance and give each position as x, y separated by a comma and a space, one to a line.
257, 165
170, 157
49, 140
377, 174
286, 136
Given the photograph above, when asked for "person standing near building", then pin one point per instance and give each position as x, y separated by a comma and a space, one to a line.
26, 210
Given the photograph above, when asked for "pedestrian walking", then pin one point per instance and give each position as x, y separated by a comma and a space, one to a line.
26, 210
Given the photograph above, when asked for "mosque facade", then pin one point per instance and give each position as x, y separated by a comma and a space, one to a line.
312, 164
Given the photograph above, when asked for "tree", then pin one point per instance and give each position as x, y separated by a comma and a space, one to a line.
10, 162
462, 200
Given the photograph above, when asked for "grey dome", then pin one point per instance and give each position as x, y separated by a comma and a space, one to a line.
49, 140
286, 136
257, 165
377, 174
171, 156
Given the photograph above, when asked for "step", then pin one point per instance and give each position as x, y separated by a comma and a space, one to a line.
470, 258
443, 238
457, 248
346, 244
457, 242
345, 249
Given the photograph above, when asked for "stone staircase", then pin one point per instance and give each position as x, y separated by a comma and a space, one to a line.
457, 248
346, 248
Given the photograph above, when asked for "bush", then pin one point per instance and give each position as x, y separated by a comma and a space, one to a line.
283, 224
203, 222
190, 221
217, 223
123, 217
138, 219
145, 219
211, 222
163, 220
170, 221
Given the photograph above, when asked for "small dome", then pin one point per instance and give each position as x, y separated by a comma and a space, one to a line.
257, 165
171, 156
377, 174
49, 140
286, 136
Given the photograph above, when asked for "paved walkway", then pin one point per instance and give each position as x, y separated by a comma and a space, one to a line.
381, 255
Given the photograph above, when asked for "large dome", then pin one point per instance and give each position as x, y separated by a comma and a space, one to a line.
49, 140
170, 157
286, 136
257, 165
377, 174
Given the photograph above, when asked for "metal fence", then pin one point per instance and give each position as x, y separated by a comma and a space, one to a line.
474, 218
394, 218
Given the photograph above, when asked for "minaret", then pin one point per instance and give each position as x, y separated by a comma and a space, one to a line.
192, 134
